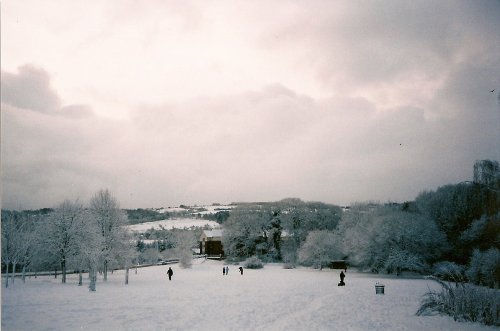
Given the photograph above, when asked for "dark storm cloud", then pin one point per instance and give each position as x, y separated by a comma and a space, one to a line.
268, 144
30, 89
47, 158
375, 44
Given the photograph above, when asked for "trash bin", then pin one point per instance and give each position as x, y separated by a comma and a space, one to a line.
379, 288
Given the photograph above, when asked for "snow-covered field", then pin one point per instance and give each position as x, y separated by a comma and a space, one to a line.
202, 210
169, 224
201, 298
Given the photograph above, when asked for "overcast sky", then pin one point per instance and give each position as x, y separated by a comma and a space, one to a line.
194, 102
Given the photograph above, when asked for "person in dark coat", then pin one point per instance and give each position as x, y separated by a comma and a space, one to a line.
342, 276
241, 270
223, 270
170, 272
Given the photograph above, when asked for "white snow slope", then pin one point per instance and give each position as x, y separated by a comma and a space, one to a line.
201, 298
169, 224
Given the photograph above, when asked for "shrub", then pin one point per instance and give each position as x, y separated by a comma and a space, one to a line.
253, 263
449, 271
233, 260
463, 301
484, 268
401, 260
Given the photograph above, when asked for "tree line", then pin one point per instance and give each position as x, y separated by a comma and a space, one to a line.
454, 228
69, 237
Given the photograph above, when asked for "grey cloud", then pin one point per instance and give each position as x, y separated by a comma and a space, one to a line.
47, 158
257, 145
77, 111
368, 44
29, 89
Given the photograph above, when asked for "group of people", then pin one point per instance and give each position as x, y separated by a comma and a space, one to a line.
225, 270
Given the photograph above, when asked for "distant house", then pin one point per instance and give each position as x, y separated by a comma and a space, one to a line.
339, 264
211, 242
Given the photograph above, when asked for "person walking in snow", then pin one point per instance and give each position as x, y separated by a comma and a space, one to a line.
241, 270
227, 270
170, 272
342, 276
223, 270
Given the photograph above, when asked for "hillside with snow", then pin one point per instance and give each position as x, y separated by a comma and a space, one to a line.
201, 298
169, 224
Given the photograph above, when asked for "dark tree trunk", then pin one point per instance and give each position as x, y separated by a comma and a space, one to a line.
63, 270
105, 271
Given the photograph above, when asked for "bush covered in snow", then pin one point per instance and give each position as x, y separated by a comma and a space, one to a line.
484, 267
401, 260
449, 271
464, 302
318, 249
253, 263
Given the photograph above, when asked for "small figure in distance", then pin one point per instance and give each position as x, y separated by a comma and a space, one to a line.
170, 272
342, 276
223, 270
241, 270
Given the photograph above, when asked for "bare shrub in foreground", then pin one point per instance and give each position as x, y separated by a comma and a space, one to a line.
463, 301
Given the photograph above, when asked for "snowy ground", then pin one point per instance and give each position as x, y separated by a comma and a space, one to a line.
201, 298
169, 224
212, 209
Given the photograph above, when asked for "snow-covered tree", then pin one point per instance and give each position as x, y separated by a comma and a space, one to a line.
385, 237
298, 218
456, 209
400, 260
88, 249
16, 242
320, 248
185, 241
110, 220
62, 233
150, 255
484, 267
244, 230
356, 232
487, 172
260, 229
